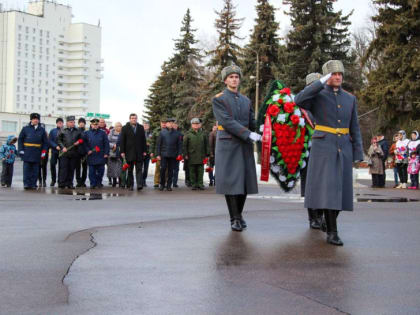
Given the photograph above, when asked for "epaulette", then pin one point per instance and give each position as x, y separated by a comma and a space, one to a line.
220, 94
348, 92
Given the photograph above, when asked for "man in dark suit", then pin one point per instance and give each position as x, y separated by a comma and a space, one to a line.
133, 149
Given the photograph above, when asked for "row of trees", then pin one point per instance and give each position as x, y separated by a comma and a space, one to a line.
382, 63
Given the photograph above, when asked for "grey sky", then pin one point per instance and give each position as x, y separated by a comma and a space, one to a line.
137, 37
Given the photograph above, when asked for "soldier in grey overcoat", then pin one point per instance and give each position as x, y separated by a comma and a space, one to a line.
336, 144
235, 172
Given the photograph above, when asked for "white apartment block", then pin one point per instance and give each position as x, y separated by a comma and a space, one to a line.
48, 64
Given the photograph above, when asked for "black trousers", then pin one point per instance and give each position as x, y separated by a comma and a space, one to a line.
382, 177
146, 162
67, 168
53, 165
376, 180
167, 163
139, 177
81, 171
402, 172
7, 173
42, 175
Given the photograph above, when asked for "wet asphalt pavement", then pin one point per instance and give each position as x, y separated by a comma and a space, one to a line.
120, 252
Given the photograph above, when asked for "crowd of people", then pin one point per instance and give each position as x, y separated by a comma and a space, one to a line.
80, 153
403, 156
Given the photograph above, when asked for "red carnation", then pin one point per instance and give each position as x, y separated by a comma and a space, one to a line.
209, 169
289, 107
154, 160
80, 141
205, 161
179, 158
285, 91
294, 119
125, 167
273, 110
97, 149
280, 101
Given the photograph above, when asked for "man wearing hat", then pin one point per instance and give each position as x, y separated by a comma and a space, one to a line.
168, 148
33, 145
336, 144
196, 150
68, 141
81, 166
177, 162
55, 149
97, 147
236, 174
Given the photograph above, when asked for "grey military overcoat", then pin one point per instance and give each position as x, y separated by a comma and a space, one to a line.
329, 183
235, 163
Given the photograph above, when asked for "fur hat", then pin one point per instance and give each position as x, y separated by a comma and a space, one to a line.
333, 66
35, 116
229, 70
311, 77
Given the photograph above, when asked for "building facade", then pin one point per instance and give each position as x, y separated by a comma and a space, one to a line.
47, 63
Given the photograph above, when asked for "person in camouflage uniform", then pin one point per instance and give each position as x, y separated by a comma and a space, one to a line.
196, 149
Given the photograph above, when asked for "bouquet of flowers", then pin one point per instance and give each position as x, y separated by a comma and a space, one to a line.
154, 160
286, 131
179, 158
125, 166
205, 161
80, 141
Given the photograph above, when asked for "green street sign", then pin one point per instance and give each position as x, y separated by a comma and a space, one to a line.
98, 115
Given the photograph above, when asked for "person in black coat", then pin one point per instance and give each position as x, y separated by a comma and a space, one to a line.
133, 148
385, 149
168, 148
81, 166
68, 140
55, 149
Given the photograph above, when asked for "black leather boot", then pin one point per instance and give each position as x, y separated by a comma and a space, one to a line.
321, 218
241, 203
314, 220
332, 234
234, 209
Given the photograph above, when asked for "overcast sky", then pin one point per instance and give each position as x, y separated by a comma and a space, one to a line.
137, 37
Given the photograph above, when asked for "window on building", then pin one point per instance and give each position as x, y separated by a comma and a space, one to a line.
34, 30
18, 97
27, 29
25, 97
32, 98
18, 88
20, 37
8, 126
40, 32
20, 27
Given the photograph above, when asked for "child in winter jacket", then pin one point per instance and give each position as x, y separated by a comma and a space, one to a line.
413, 170
7, 157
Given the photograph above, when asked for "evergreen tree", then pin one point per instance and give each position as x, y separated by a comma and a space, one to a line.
158, 104
176, 90
394, 84
318, 34
226, 52
186, 73
264, 42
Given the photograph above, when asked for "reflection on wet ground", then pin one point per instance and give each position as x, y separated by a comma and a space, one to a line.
386, 200
82, 195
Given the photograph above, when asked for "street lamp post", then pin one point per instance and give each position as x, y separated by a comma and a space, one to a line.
257, 85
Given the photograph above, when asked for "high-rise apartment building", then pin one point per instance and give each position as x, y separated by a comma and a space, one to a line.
47, 63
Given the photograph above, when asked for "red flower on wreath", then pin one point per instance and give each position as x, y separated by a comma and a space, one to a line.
273, 110
295, 119
280, 101
289, 107
285, 91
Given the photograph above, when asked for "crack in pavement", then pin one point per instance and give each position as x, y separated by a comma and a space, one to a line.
306, 297
93, 245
